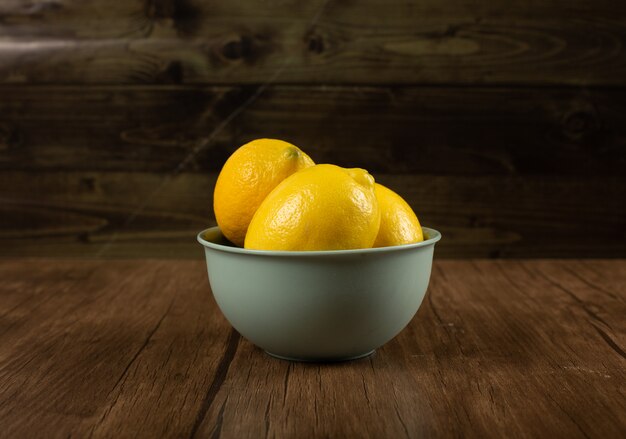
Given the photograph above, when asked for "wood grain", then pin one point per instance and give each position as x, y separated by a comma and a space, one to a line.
128, 171
503, 124
136, 347
82, 214
190, 42
426, 130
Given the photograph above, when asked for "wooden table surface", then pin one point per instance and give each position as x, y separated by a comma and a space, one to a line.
112, 348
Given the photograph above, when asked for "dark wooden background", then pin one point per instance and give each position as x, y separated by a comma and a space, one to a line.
503, 123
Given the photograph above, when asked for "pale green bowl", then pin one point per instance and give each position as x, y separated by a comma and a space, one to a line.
318, 305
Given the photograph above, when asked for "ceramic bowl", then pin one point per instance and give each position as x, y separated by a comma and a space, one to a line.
318, 305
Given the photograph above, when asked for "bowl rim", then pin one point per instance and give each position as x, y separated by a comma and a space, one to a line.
433, 237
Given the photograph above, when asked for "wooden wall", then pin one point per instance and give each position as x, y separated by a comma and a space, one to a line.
503, 123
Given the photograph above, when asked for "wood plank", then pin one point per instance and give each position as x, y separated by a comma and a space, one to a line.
176, 41
103, 339
431, 130
147, 214
99, 19
498, 348
465, 365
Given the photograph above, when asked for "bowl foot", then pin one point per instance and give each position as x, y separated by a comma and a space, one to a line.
321, 360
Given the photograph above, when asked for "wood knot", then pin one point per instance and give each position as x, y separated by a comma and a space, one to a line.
315, 44
245, 47
238, 49
579, 124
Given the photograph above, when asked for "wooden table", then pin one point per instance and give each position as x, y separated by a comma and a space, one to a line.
112, 348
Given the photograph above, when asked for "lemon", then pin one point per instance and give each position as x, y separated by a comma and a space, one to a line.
323, 207
247, 177
398, 223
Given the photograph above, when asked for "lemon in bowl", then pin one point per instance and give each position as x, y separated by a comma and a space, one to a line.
246, 179
326, 305
333, 265
323, 207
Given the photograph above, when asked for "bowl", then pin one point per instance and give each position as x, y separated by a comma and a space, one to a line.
318, 305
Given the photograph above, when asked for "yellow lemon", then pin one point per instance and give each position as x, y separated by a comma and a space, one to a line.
247, 177
398, 223
323, 207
